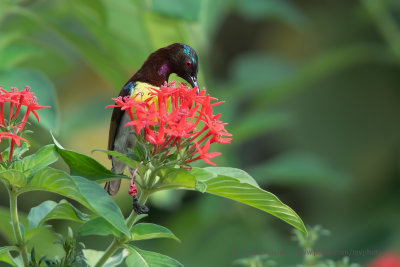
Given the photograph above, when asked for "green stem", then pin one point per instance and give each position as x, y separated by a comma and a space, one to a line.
132, 217
17, 230
118, 242
109, 252
152, 177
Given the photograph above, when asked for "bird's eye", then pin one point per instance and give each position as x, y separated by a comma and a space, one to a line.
188, 63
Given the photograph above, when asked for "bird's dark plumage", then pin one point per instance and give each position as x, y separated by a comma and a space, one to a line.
176, 58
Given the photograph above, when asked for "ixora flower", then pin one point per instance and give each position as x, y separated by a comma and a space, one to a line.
388, 259
11, 125
175, 123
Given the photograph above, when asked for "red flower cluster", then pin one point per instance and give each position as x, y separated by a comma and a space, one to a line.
389, 259
176, 117
10, 127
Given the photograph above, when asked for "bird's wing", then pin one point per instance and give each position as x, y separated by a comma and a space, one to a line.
117, 116
129, 89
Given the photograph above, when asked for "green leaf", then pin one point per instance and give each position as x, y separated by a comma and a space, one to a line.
233, 184
93, 256
82, 165
86, 192
239, 174
143, 231
49, 210
13, 177
145, 258
101, 203
41, 86
7, 258
33, 163
121, 157
56, 181
98, 226
8, 248
180, 179
5, 255
30, 233
139, 217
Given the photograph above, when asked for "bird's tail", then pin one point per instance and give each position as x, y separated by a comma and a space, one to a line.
112, 187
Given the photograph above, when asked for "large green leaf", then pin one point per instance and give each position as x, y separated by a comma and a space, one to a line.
82, 165
233, 184
14, 177
143, 258
143, 231
49, 210
98, 226
86, 192
41, 86
56, 181
32, 163
101, 203
239, 174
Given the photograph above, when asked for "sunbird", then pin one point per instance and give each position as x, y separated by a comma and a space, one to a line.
177, 58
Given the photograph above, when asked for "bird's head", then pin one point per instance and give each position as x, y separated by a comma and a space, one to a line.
176, 58
184, 63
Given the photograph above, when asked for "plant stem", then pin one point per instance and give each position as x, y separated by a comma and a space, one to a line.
117, 242
17, 230
132, 217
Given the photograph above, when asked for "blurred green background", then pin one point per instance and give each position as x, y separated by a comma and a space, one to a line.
312, 100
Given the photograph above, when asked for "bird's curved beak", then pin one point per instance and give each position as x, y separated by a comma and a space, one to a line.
193, 82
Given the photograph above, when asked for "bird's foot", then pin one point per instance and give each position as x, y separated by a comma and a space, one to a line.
139, 209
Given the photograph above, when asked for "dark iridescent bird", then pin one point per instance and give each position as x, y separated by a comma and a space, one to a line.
176, 58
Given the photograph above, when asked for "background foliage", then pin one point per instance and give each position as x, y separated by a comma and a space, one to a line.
312, 97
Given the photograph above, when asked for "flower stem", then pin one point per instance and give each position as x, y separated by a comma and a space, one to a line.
118, 242
17, 230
